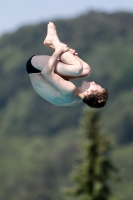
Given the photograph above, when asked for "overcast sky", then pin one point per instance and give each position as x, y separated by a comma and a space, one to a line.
16, 13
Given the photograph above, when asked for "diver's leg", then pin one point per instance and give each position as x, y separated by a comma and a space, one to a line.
68, 65
51, 39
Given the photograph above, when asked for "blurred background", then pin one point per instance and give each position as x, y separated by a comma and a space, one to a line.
39, 142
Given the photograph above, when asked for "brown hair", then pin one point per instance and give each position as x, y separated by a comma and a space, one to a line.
96, 99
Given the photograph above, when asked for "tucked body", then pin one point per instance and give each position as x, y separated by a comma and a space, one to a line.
51, 75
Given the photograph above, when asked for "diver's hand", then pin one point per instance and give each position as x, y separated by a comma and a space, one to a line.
62, 47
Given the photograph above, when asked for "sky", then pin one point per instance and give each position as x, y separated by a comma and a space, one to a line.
17, 13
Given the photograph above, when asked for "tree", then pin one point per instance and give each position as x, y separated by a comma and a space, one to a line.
93, 174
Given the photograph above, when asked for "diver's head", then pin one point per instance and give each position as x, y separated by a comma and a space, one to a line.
93, 94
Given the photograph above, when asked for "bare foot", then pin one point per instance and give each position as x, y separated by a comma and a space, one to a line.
51, 39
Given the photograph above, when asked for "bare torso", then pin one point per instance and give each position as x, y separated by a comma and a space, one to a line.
64, 97
52, 83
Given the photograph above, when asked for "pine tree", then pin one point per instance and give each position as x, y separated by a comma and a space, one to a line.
94, 172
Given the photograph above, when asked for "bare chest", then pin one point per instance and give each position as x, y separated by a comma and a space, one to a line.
49, 93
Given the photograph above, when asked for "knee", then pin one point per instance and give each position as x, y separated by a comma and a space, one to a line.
78, 68
86, 69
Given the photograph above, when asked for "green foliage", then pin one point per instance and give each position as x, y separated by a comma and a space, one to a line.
94, 172
39, 141
124, 159
103, 40
34, 168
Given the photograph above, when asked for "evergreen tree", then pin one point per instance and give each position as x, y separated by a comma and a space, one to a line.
93, 174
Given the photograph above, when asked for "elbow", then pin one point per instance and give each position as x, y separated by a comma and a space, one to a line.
45, 71
48, 67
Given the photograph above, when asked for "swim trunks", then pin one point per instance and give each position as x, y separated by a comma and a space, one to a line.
30, 68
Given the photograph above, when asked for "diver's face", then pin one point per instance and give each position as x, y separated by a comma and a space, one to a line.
90, 87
